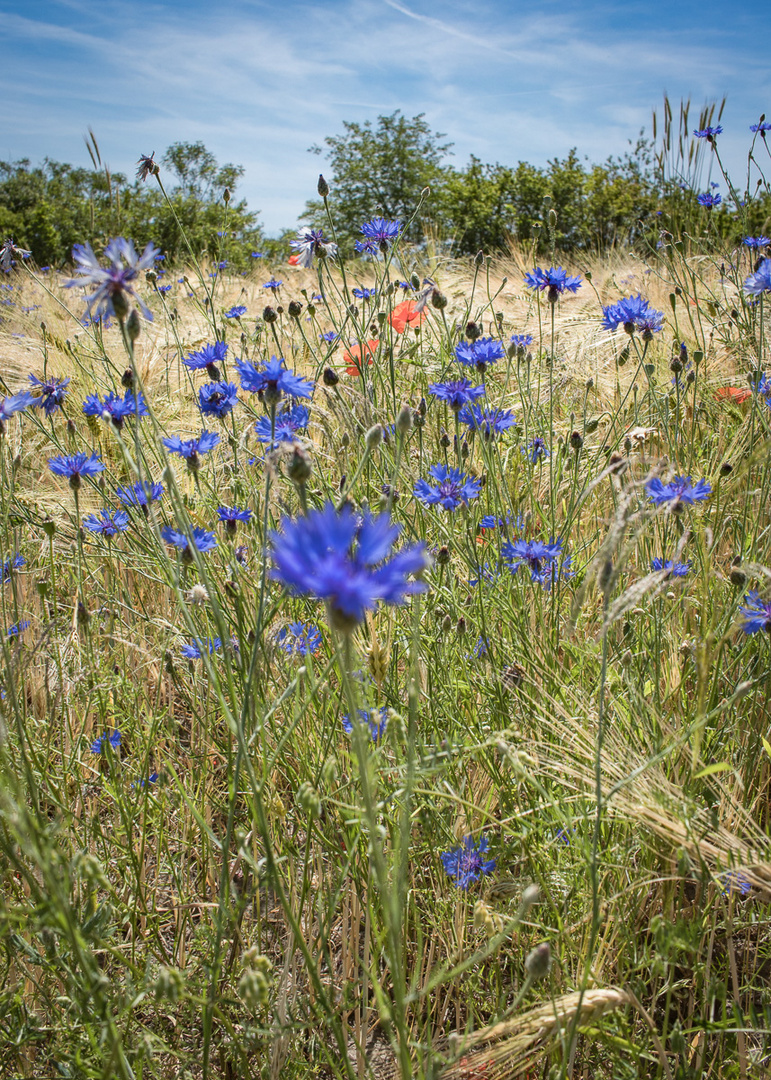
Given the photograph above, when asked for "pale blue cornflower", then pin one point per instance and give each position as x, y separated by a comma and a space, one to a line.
114, 283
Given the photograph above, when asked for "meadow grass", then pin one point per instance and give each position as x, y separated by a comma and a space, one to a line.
544, 851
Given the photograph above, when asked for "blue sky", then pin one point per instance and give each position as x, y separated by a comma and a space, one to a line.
261, 82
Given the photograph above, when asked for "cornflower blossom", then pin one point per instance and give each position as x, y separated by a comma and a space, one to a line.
733, 881
365, 294
288, 422
379, 234
675, 569
679, 491
75, 467
272, 381
491, 521
217, 399
490, 422
708, 200
140, 494
115, 408
759, 282
52, 393
13, 404
466, 863
452, 489
9, 251
457, 392
197, 647
755, 243
100, 744
203, 541
10, 564
347, 561
273, 285
236, 312
481, 649
17, 629
757, 613
538, 557
329, 337
479, 353
298, 639
147, 166
115, 283
521, 341
230, 517
633, 313
709, 132
760, 128
207, 358
190, 449
536, 450
376, 720
555, 280
109, 522
312, 242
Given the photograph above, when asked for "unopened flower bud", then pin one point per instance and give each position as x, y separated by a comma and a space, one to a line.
576, 440
404, 420
127, 379
300, 466
270, 315
330, 377
538, 962
374, 437
438, 300
295, 308
726, 468
322, 187
472, 331
443, 555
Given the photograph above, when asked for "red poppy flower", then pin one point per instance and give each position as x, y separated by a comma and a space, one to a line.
293, 260
737, 394
406, 314
353, 357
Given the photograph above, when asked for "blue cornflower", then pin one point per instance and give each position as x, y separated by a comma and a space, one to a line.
217, 399
365, 294
733, 881
522, 341
273, 284
312, 242
633, 313
678, 491
299, 639
106, 740
207, 358
140, 494
680, 569
554, 279
272, 381
760, 281
457, 392
231, 515
709, 132
236, 312
453, 487
757, 613
150, 780
15, 403
7, 252
203, 541
163, 288
486, 573
346, 560
709, 200
491, 521
288, 423
114, 285
195, 649
376, 720
378, 234
329, 337
18, 628
466, 864
490, 422
10, 564
536, 450
115, 408
482, 647
756, 242
190, 449
109, 522
75, 466
760, 128
479, 353
52, 393
258, 255
538, 557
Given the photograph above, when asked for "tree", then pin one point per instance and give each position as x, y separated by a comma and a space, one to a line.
381, 170
200, 176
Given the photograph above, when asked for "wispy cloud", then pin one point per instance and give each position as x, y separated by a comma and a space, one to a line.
260, 83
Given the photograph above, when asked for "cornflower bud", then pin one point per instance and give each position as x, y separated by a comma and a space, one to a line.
270, 315
538, 961
295, 307
330, 377
322, 187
